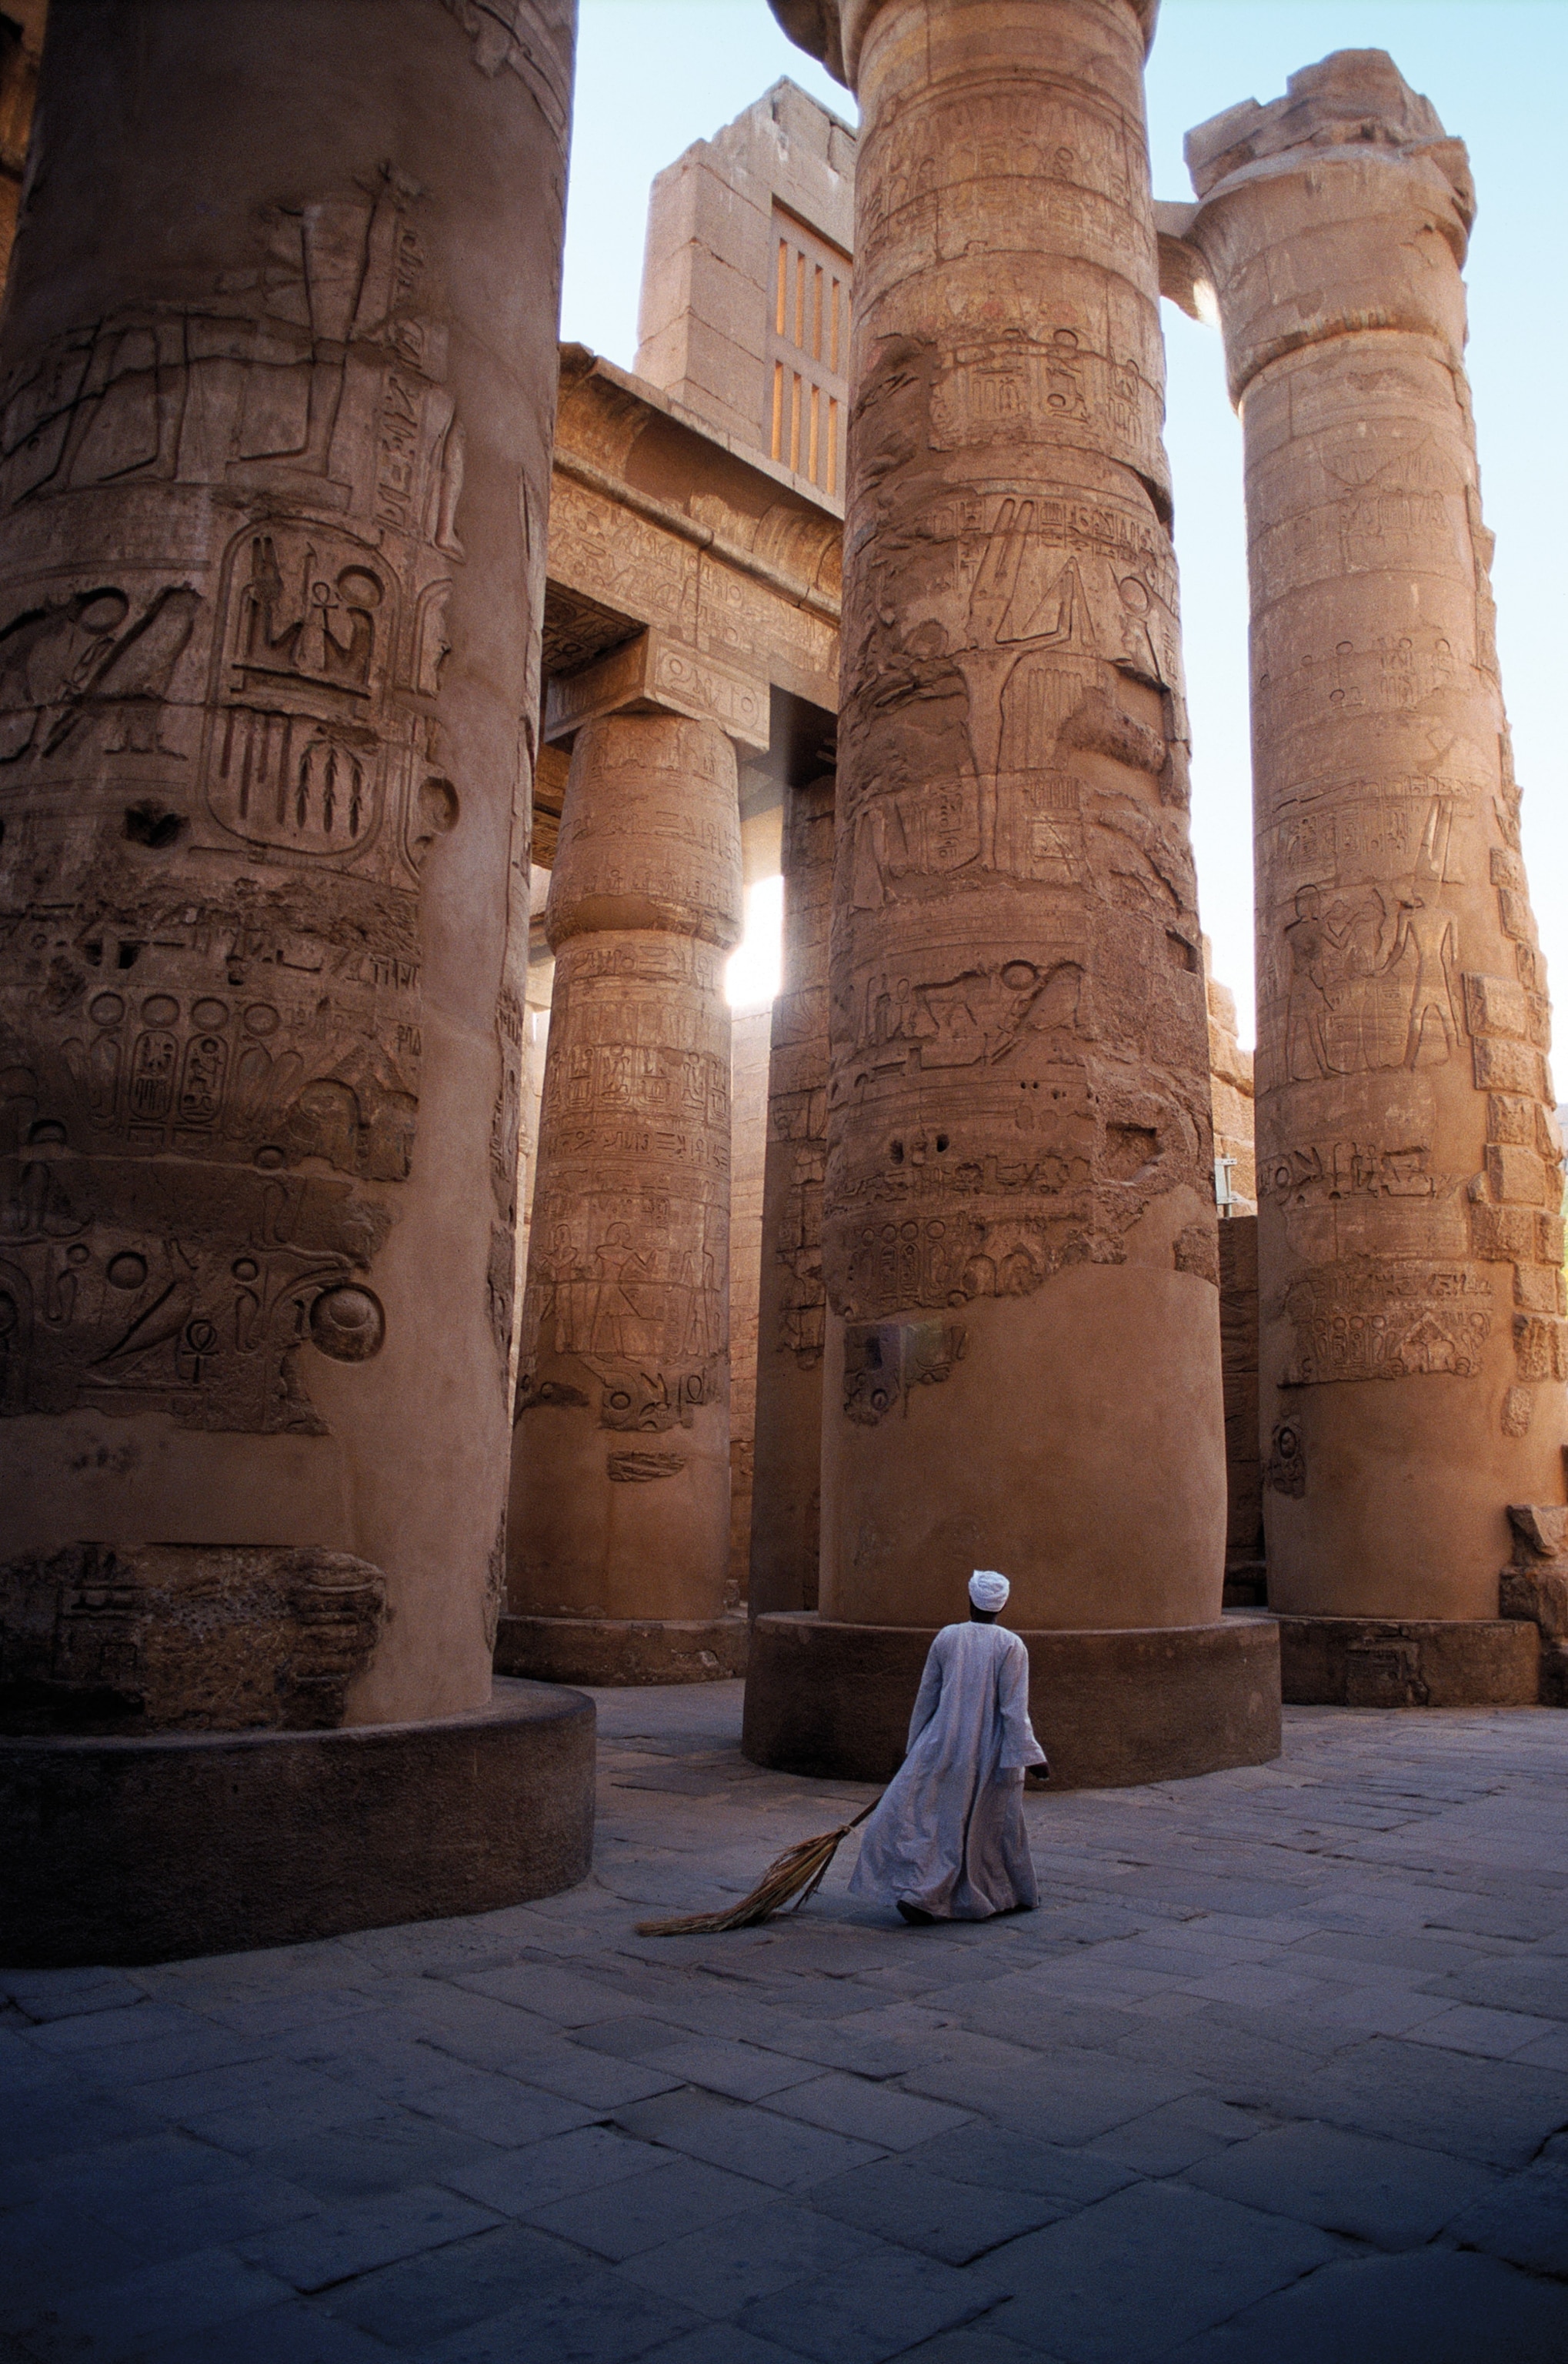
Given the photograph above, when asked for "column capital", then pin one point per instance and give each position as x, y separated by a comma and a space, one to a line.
1324, 212
834, 31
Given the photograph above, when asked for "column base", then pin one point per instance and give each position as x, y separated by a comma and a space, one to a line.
609, 1650
211, 1843
1112, 1707
1409, 1662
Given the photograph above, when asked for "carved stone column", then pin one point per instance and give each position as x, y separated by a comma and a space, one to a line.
1022, 1355
787, 1491
619, 1530
279, 363
1410, 1247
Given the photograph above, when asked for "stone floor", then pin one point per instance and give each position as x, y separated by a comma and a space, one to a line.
1279, 2071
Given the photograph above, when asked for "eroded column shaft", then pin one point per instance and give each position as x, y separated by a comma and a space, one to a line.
786, 1496
279, 363
620, 1504
1408, 1159
1022, 1360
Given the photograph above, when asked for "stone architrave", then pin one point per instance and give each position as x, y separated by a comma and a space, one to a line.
278, 371
785, 1502
619, 1532
1021, 1366
1410, 1245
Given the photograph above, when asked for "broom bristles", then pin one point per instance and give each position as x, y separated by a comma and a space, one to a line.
797, 1874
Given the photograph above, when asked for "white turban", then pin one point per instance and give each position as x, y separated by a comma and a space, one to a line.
989, 1590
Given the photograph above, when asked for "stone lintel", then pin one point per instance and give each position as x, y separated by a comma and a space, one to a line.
657, 675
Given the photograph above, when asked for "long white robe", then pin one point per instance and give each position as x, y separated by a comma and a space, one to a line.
949, 1835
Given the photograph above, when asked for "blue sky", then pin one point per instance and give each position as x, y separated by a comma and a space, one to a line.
655, 74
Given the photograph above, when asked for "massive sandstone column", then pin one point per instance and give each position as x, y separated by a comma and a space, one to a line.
619, 1532
279, 362
1411, 1250
787, 1482
1022, 1356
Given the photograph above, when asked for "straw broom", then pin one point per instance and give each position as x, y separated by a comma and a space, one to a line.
797, 1874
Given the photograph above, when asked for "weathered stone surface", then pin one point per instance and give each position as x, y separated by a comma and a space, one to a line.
1408, 1662
1115, 1707
279, 371
602, 1650
1022, 1361
622, 1476
121, 1850
183, 1638
1413, 1345
1534, 1588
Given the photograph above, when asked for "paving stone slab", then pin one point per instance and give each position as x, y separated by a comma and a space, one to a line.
1176, 2135
421, 2299
1431, 2306
298, 2332
1066, 2100
336, 2243
647, 2211
721, 2269
1125, 2279
720, 2343
390, 2150
64, 1995
116, 2322
1524, 2220
596, 2317
1386, 2192
233, 2206
499, 2109
749, 2140
1496, 2111
923, 2210
997, 2159
64, 2117
883, 2115
875, 2308
587, 2160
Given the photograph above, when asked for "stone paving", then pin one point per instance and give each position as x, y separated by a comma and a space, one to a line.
1279, 2071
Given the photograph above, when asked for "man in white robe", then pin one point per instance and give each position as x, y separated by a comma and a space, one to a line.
948, 1841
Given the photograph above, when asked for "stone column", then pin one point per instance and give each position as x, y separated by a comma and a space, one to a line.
787, 1484
278, 369
1410, 1249
1022, 1352
620, 1528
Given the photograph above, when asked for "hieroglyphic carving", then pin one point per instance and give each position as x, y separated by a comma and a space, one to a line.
219, 784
